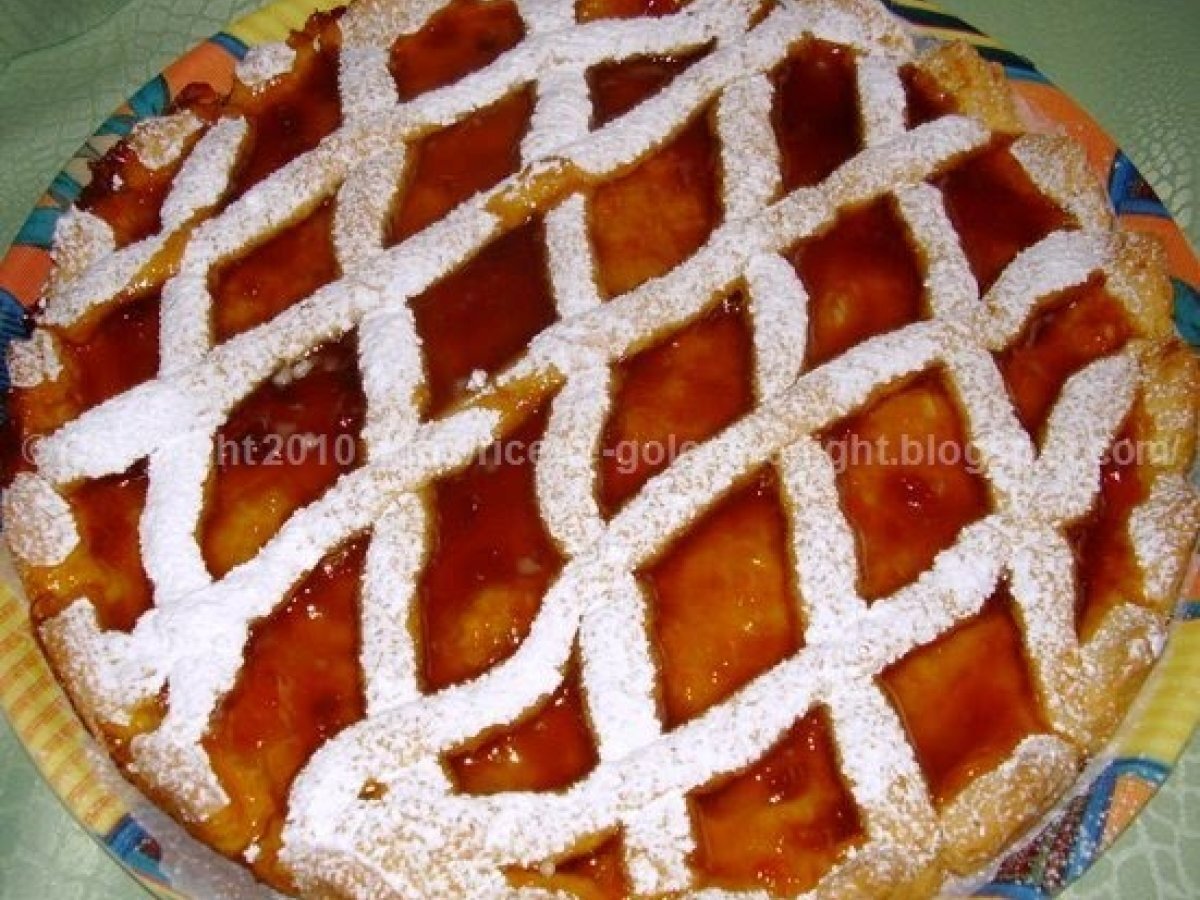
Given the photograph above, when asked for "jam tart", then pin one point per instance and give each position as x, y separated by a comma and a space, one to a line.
613, 448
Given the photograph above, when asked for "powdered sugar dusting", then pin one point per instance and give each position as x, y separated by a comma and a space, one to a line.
38, 522
264, 64
160, 141
419, 838
34, 361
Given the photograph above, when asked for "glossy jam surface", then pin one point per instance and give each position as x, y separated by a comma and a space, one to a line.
127, 195
291, 116
672, 195
596, 874
118, 353
483, 316
452, 165
280, 449
967, 699
1079, 326
106, 566
491, 561
783, 823
676, 393
548, 750
463, 37
996, 210
1106, 567
816, 112
906, 482
267, 280
617, 87
590, 10
924, 100
299, 686
722, 605
862, 279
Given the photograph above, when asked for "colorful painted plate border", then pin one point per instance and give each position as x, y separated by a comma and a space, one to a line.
1081, 828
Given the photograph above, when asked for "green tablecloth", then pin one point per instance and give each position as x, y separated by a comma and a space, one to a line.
65, 64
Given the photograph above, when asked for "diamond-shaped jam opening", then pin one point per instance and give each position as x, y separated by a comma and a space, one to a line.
482, 317
723, 605
127, 195
997, 210
816, 112
595, 872
671, 196
618, 87
783, 823
108, 357
463, 37
863, 280
491, 560
300, 684
277, 273
675, 394
454, 164
281, 448
290, 117
591, 10
1106, 569
106, 566
549, 749
925, 100
908, 481
1072, 329
967, 699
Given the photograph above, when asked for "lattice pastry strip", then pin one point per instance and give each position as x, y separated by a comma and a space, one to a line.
395, 843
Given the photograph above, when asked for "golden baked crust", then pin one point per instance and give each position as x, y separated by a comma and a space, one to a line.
507, 448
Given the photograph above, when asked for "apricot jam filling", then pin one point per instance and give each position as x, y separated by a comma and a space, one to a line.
490, 563
459, 39
291, 116
127, 195
280, 449
672, 194
863, 279
118, 353
1107, 571
723, 608
781, 824
967, 698
257, 287
1074, 328
996, 210
452, 165
299, 686
618, 87
591, 10
549, 749
483, 316
907, 481
680, 391
596, 874
924, 99
816, 112
106, 566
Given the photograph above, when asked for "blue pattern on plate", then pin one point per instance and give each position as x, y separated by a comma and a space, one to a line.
235, 47
1187, 312
1130, 192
